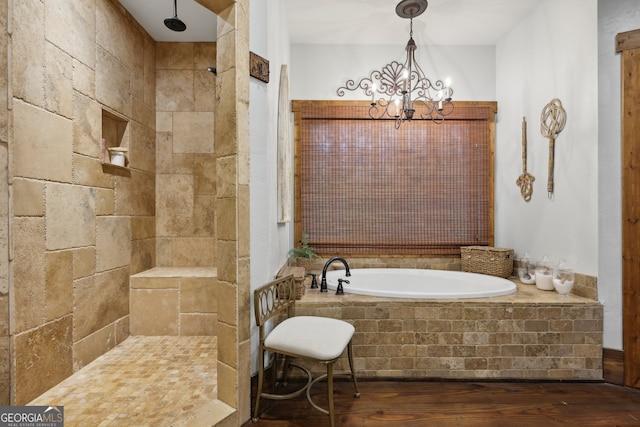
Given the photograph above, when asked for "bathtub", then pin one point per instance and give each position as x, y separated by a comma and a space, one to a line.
420, 283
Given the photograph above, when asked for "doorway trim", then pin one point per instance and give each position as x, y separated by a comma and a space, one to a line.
628, 43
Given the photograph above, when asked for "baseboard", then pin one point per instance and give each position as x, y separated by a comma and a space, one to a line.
613, 366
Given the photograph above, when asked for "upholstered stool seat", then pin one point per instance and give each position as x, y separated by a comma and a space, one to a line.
320, 339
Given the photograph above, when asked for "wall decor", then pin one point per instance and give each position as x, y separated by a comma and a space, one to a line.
552, 121
258, 67
284, 148
525, 181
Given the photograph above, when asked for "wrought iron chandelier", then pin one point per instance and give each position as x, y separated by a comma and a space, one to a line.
402, 90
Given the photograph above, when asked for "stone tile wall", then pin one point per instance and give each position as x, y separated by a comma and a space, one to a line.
431, 263
232, 207
530, 335
174, 301
77, 231
186, 168
5, 373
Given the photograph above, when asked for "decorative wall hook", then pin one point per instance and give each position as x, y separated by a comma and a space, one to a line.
552, 121
525, 181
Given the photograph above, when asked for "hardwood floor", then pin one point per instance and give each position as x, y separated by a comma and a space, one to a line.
461, 404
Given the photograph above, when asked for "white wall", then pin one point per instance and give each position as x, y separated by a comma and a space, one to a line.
614, 16
318, 70
547, 57
542, 58
551, 53
270, 241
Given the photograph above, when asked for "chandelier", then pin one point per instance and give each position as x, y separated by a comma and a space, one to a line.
402, 91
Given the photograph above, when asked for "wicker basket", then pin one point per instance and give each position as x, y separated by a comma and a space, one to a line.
298, 277
487, 260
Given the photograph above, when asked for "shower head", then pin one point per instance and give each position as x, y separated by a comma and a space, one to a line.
174, 23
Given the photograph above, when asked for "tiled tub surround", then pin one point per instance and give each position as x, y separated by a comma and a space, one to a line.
174, 301
532, 334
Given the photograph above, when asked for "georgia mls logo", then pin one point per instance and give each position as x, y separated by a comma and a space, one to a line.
32, 416
56, 412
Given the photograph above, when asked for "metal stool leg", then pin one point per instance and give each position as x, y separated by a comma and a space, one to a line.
329, 377
330, 392
286, 369
260, 383
353, 372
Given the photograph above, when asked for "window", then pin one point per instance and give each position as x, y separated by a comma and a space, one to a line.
363, 187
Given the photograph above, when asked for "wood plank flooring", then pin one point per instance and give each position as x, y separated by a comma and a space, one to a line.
461, 404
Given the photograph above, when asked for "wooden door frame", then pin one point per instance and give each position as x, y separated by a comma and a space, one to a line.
628, 43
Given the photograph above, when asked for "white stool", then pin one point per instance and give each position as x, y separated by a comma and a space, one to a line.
320, 339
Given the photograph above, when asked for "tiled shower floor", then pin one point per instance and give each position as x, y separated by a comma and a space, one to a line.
144, 381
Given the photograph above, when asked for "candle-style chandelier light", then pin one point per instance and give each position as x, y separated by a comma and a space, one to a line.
402, 91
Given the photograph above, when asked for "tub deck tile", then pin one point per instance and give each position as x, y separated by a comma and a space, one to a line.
531, 334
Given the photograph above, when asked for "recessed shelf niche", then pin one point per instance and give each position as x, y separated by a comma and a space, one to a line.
115, 134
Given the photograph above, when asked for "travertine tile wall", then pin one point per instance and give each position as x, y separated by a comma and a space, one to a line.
5, 372
530, 335
78, 231
174, 301
431, 263
232, 208
186, 168
69, 285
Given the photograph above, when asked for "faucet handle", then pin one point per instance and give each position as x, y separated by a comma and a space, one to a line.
314, 282
340, 289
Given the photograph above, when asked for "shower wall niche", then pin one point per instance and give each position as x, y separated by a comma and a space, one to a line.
115, 136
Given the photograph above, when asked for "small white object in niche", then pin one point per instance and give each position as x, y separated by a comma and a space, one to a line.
118, 155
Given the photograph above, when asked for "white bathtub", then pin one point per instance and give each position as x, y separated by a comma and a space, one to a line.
421, 284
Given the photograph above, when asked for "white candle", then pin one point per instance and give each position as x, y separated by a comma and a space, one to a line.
397, 108
373, 94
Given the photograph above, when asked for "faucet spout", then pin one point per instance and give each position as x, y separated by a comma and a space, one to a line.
323, 282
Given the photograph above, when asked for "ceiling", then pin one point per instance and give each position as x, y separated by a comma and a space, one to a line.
446, 22
201, 22
458, 22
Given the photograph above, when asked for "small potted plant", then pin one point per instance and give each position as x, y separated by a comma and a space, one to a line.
304, 255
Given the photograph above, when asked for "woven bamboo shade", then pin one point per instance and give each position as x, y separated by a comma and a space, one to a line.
369, 188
